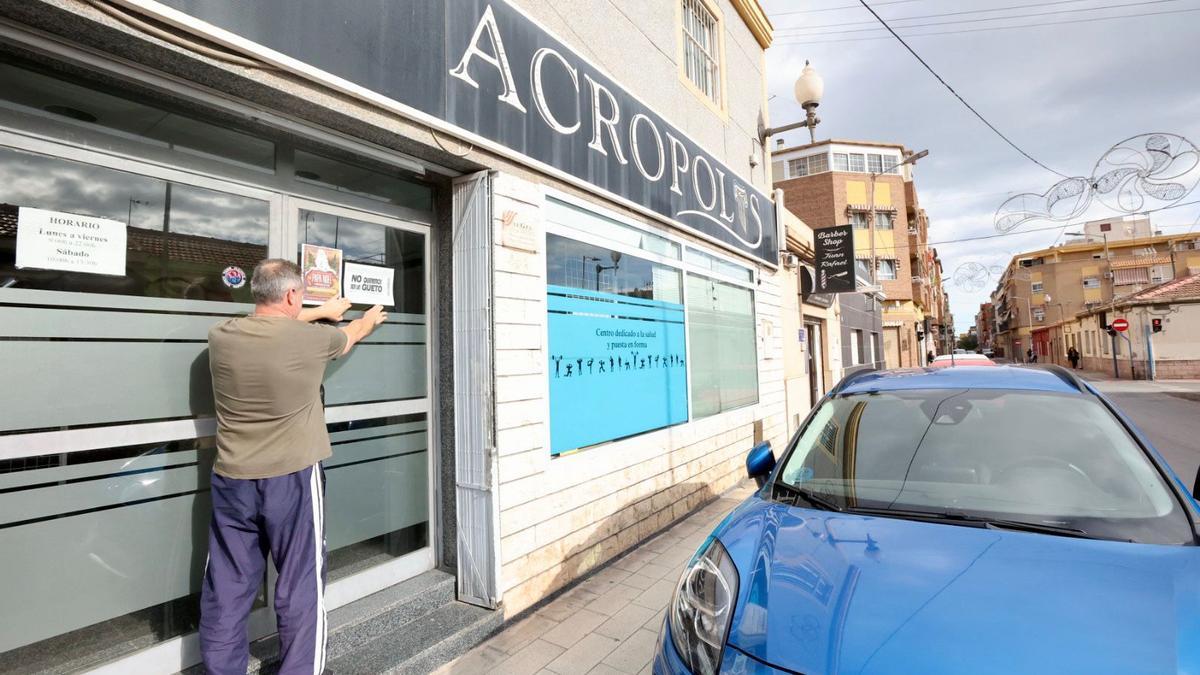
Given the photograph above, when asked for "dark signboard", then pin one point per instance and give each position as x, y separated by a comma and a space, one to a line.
834, 260
486, 68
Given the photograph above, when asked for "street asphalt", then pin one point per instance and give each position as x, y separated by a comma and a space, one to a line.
1168, 412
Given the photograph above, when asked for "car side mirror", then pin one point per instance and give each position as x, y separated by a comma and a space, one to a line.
760, 462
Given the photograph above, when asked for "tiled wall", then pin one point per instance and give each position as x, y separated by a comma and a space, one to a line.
560, 518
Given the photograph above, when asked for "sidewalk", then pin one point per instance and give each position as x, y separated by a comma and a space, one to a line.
609, 623
1105, 382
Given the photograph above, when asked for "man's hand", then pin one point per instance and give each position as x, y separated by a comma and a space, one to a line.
331, 310
358, 329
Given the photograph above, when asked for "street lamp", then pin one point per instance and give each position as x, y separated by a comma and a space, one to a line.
1089, 239
910, 159
809, 89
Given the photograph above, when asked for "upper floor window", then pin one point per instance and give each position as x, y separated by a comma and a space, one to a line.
701, 50
856, 162
884, 220
818, 163
875, 163
797, 167
804, 166
1036, 287
1091, 282
859, 220
841, 161
890, 164
887, 269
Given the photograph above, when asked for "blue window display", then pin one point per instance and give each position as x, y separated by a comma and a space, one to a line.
618, 362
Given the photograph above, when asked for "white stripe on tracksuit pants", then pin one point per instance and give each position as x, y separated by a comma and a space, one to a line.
283, 516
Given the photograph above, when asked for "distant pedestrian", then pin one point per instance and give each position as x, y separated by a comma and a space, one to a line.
929, 358
267, 486
1073, 357
1031, 356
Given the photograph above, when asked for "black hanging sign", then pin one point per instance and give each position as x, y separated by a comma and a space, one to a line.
485, 68
834, 260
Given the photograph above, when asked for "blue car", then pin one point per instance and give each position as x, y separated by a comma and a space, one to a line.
963, 520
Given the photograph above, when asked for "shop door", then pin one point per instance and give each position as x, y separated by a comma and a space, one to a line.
816, 362
379, 487
891, 347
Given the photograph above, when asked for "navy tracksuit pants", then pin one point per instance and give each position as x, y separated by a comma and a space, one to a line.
283, 516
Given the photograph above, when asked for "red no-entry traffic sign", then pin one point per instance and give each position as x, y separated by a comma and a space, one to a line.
1120, 325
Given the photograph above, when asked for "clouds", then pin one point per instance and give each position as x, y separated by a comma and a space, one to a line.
1064, 93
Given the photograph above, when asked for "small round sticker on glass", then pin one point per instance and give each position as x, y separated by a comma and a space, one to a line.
234, 277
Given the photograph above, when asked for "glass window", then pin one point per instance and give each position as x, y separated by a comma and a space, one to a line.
841, 161
982, 454
874, 163
885, 220
384, 186
818, 163
591, 223
701, 56
862, 267
64, 101
724, 351
1091, 282
576, 264
1039, 314
859, 220
374, 244
179, 241
1036, 287
887, 269
890, 164
856, 162
797, 167
856, 347
712, 263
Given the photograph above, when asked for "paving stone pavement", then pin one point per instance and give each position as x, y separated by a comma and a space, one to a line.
609, 623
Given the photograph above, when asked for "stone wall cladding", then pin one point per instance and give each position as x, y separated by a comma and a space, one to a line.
562, 517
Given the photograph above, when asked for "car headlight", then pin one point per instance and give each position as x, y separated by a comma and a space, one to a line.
702, 608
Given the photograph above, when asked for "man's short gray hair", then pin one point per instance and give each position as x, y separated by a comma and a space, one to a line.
273, 278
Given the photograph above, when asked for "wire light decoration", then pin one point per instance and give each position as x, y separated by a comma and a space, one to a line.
1141, 173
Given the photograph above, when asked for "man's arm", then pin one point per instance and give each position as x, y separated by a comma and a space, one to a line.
360, 328
331, 310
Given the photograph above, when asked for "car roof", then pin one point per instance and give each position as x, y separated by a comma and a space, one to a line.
963, 377
960, 357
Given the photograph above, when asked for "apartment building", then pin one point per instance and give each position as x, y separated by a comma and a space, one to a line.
835, 182
1042, 293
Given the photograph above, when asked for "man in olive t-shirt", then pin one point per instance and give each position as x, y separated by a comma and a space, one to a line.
267, 483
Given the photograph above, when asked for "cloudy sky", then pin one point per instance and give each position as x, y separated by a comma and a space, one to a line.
1065, 93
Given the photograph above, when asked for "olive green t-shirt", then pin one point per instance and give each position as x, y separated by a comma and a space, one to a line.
266, 376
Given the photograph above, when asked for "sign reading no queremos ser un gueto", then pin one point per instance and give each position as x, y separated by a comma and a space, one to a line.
486, 68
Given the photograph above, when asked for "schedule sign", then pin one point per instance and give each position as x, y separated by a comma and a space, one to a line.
834, 260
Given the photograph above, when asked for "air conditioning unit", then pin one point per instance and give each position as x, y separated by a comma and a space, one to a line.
1108, 275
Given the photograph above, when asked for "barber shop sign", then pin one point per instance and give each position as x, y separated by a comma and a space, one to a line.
495, 77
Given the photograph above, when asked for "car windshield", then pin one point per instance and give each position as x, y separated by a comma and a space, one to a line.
1049, 459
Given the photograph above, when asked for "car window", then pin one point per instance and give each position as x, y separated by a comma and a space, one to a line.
1032, 456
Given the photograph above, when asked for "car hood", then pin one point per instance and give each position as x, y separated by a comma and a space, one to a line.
823, 592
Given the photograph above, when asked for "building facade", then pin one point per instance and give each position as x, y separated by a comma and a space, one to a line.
835, 182
1160, 342
558, 226
1042, 294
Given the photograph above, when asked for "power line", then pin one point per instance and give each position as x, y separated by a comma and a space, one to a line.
956, 94
983, 30
839, 7
930, 16
1000, 18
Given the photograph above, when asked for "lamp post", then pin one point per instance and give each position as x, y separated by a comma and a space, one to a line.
910, 159
1062, 323
809, 89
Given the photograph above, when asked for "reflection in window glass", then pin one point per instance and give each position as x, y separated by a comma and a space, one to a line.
374, 244
378, 185
46, 96
712, 263
841, 161
597, 225
578, 265
723, 352
179, 241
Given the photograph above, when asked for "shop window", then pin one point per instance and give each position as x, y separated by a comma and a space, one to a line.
589, 223
579, 265
180, 238
711, 263
841, 161
701, 49
89, 106
367, 243
377, 184
724, 351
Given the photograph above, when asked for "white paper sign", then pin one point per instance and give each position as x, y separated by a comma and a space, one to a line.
368, 284
52, 240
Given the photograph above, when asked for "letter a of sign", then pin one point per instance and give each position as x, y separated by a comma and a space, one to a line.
499, 59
